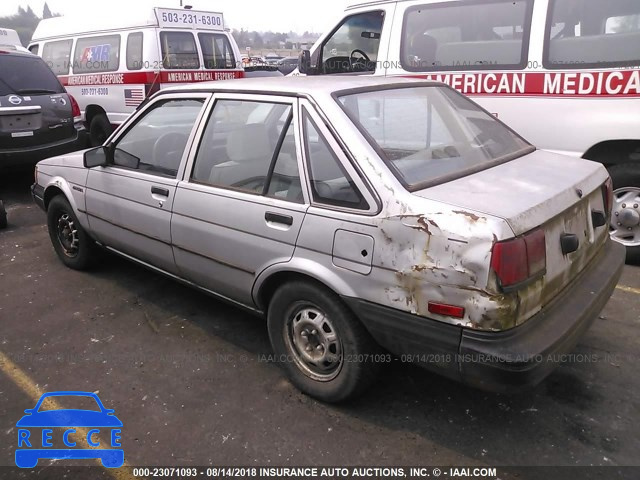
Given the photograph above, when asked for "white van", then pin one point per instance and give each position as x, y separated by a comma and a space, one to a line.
563, 73
111, 65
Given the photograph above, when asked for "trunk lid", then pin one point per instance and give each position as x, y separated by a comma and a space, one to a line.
35, 109
540, 190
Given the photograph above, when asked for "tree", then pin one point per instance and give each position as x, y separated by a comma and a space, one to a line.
46, 13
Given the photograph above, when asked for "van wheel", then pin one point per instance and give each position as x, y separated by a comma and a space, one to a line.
99, 130
625, 219
3, 216
72, 244
326, 352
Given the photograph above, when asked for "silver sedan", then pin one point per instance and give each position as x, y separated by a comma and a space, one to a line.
368, 220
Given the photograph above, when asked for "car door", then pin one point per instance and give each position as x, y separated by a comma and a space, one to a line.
129, 203
243, 200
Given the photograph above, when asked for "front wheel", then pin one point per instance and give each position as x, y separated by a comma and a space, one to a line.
324, 349
625, 218
72, 244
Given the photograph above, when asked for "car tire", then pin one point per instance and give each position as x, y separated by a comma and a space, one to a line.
626, 180
72, 244
3, 216
304, 313
99, 130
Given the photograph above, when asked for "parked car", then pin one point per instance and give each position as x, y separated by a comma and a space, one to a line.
563, 73
38, 118
288, 65
112, 63
352, 213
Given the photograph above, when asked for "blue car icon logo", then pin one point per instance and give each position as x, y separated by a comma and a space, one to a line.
81, 432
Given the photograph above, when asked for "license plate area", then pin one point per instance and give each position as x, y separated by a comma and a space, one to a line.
20, 123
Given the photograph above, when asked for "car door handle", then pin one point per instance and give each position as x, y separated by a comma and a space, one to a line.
278, 218
163, 192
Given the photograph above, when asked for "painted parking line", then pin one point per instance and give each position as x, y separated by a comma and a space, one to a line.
31, 389
624, 288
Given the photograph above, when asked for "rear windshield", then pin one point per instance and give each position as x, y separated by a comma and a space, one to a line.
466, 35
588, 34
431, 134
216, 51
179, 51
26, 75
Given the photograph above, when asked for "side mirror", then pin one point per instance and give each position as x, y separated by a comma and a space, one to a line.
304, 62
97, 157
29, 411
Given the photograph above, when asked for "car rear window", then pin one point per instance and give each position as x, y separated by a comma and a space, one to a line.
25, 73
429, 135
466, 35
588, 34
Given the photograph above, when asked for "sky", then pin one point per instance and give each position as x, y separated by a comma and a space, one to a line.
262, 15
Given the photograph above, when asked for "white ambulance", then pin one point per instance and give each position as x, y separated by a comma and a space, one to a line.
110, 65
563, 73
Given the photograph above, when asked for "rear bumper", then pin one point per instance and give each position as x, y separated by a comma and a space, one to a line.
501, 361
29, 156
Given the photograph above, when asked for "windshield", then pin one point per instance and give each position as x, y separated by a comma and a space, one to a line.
431, 134
26, 74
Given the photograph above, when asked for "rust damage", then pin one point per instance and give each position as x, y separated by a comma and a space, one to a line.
472, 216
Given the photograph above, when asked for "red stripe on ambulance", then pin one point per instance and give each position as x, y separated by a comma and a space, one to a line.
138, 78
622, 83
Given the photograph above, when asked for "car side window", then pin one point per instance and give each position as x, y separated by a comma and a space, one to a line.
159, 138
331, 184
250, 146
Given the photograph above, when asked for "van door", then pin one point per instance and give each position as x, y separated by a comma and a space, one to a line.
357, 45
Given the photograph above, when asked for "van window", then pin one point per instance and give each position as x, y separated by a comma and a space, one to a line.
34, 49
97, 54
587, 34
134, 51
179, 51
216, 51
466, 35
353, 46
58, 56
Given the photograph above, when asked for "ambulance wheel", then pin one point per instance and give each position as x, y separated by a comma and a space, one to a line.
3, 216
625, 218
99, 130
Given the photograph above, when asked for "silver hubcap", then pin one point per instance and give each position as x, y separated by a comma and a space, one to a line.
68, 235
625, 219
314, 343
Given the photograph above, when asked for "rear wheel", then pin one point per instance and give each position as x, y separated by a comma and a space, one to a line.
324, 349
625, 218
99, 130
3, 216
72, 244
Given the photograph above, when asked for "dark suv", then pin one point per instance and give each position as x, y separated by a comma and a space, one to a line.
38, 118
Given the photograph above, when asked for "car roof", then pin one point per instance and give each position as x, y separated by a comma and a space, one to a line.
301, 86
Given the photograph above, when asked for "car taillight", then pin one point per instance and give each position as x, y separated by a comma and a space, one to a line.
607, 192
521, 259
75, 109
